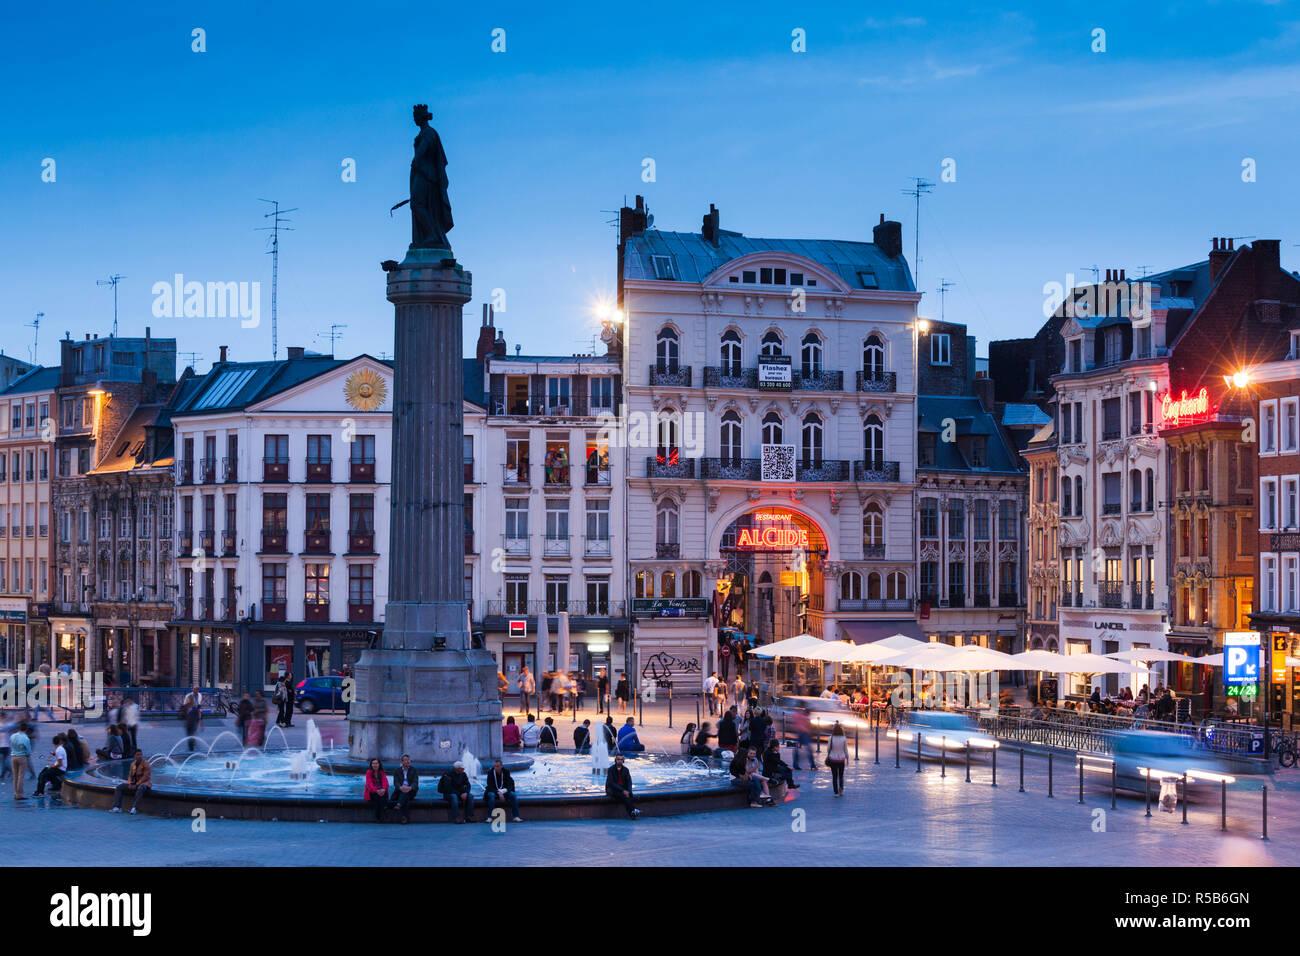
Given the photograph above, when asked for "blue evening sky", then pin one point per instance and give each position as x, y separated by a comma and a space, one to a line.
1065, 158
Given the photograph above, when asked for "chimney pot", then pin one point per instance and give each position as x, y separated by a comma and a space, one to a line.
223, 352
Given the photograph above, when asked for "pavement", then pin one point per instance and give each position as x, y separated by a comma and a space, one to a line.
888, 817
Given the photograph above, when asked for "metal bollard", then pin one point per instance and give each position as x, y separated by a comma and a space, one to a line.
640, 703
1114, 782
855, 744
1184, 798
943, 756
1050, 794
968, 761
918, 752
995, 766
1264, 793
670, 706
1147, 788
897, 746
1080, 762
877, 755
698, 716
1223, 806
1022, 769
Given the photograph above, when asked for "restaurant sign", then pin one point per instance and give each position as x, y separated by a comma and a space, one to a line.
670, 607
1185, 409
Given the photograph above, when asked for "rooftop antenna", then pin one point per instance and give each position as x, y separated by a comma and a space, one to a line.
333, 335
1096, 273
920, 187
194, 358
36, 336
278, 220
944, 286
112, 280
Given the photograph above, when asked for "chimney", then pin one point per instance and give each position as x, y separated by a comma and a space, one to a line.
888, 237
632, 221
984, 391
709, 228
486, 334
294, 352
499, 346
223, 349
1220, 252
1266, 255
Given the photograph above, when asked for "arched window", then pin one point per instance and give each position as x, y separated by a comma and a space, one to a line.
850, 586
873, 586
729, 438
812, 441
873, 442
1078, 496
896, 586
770, 344
873, 358
810, 356
692, 584
668, 584
666, 524
773, 432
1067, 497
667, 350
731, 352
645, 584
668, 452
873, 527
1134, 490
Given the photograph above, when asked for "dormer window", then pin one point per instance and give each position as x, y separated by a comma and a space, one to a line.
664, 267
868, 279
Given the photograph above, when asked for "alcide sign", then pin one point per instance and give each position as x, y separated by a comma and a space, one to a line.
1185, 409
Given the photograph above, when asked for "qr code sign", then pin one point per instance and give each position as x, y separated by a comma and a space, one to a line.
777, 463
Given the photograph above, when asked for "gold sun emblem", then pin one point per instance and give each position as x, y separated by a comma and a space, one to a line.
365, 390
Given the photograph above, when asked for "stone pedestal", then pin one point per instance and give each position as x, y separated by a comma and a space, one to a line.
425, 691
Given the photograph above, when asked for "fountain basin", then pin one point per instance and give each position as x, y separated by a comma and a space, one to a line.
556, 787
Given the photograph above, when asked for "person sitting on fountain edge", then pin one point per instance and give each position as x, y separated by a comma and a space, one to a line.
500, 788
375, 789
628, 741
582, 738
548, 742
406, 784
454, 787
618, 786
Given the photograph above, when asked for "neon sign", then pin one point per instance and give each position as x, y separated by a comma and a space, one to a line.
1186, 409
772, 532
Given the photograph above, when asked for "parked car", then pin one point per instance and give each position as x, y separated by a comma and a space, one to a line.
321, 693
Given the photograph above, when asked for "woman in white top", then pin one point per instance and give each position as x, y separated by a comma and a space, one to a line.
837, 755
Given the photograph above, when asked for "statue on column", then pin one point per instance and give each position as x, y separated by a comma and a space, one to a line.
430, 205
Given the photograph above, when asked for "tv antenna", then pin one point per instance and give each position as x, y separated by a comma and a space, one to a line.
920, 187
194, 358
36, 336
112, 280
944, 286
278, 220
1096, 272
333, 335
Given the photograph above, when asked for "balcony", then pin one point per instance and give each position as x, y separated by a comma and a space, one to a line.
207, 541
659, 466
275, 469
542, 405
824, 470
273, 611
230, 470
316, 542
596, 477
184, 472
1111, 508
228, 544
184, 608
874, 604
730, 376
676, 375
597, 547
361, 612
321, 471
820, 380
556, 476
877, 471
275, 541
208, 471
517, 547
316, 611
1111, 593
873, 551
362, 542
982, 600
1008, 599
668, 550
877, 381
229, 611
956, 599
555, 547
185, 543
361, 472
515, 476
207, 610
577, 609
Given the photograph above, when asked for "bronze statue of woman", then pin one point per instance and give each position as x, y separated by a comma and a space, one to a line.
430, 206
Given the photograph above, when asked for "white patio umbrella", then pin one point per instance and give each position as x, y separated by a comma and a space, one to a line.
1210, 660
543, 648
872, 653
900, 642
973, 657
831, 652
1149, 654
1039, 660
1097, 664
790, 647
921, 657
562, 644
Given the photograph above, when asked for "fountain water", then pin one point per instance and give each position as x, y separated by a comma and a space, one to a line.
314, 745
472, 766
600, 761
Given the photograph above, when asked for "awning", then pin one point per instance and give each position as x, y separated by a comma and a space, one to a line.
868, 632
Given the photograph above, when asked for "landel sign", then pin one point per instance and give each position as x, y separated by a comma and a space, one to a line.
1185, 409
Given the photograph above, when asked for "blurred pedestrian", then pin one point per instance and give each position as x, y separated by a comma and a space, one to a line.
20, 757
837, 755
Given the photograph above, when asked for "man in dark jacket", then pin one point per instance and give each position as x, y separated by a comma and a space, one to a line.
728, 736
454, 787
582, 738
500, 788
618, 787
406, 784
776, 769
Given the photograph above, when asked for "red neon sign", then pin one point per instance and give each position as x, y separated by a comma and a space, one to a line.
1186, 409
772, 532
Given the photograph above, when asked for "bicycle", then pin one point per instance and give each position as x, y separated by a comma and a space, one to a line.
1284, 745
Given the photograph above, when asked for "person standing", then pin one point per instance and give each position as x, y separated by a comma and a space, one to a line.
131, 719
711, 692
138, 783
602, 692
20, 756
406, 784
738, 690
527, 687
192, 711
728, 736
622, 692
801, 724
837, 755
618, 787
289, 696
245, 714
5, 732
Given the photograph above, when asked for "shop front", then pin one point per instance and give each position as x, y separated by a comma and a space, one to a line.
1110, 631
70, 643
13, 633
268, 652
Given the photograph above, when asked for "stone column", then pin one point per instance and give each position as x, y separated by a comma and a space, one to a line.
425, 691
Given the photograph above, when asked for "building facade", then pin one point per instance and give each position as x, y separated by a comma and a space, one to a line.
26, 559
770, 392
281, 518
1043, 544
